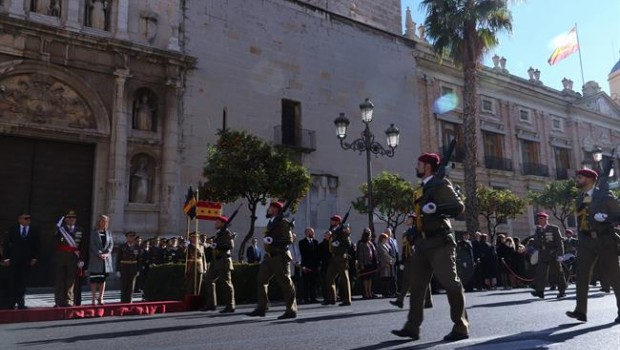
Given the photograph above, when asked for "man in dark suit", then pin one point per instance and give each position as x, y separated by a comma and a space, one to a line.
21, 245
310, 262
254, 254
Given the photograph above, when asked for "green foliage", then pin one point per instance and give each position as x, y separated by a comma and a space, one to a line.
392, 196
242, 165
558, 197
498, 205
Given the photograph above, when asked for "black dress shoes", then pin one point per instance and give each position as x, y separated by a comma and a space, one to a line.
454, 336
428, 305
561, 295
288, 314
397, 303
345, 303
257, 312
327, 302
208, 308
227, 310
538, 294
577, 315
406, 334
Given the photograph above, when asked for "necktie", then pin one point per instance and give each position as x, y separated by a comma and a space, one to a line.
24, 231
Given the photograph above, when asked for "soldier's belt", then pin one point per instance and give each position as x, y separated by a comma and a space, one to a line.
129, 261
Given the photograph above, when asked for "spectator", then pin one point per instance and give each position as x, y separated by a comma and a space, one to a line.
253, 253
367, 263
325, 256
386, 265
310, 263
505, 250
488, 259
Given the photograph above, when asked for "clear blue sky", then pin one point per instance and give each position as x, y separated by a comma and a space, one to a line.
537, 22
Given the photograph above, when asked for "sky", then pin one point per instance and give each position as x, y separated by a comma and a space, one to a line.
535, 25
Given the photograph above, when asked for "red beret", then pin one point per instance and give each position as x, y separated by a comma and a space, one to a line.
336, 218
222, 218
542, 214
569, 231
278, 205
430, 158
587, 173
412, 215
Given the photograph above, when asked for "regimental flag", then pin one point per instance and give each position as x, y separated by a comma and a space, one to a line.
565, 45
208, 210
190, 203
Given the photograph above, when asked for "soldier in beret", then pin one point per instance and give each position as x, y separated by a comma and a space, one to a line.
435, 250
548, 242
276, 263
597, 214
340, 243
222, 267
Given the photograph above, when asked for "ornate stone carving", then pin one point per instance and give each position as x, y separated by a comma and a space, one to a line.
42, 99
142, 175
46, 7
148, 25
98, 14
144, 110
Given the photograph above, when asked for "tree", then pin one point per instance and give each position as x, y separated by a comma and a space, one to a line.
244, 166
463, 30
498, 205
559, 198
393, 199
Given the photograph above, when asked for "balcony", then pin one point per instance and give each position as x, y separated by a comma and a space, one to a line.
498, 163
534, 169
457, 156
561, 174
301, 140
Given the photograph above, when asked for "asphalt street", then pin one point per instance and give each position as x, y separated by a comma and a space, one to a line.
501, 319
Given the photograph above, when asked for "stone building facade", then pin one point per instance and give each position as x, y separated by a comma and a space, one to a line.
529, 134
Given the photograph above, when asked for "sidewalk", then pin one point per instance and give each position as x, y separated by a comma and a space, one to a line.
44, 297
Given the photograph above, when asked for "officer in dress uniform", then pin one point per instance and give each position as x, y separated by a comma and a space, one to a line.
276, 263
549, 242
340, 243
69, 259
597, 213
221, 269
435, 250
128, 265
196, 265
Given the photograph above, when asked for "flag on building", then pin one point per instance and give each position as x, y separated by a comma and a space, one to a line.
190, 203
208, 210
565, 45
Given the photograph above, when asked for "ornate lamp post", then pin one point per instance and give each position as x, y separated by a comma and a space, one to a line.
366, 143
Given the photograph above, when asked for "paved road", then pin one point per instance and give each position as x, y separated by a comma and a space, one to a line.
500, 320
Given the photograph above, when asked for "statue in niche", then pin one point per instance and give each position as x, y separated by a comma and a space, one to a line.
143, 114
141, 182
40, 6
55, 8
97, 14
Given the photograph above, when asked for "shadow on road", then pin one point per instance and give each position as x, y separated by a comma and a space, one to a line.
347, 315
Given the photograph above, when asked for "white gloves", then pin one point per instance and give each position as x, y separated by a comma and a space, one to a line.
268, 240
213, 245
80, 264
429, 208
118, 274
600, 217
559, 259
336, 244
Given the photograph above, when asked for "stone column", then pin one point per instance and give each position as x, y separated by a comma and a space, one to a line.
122, 20
171, 198
117, 173
72, 12
16, 8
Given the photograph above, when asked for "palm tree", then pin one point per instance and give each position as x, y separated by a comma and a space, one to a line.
464, 30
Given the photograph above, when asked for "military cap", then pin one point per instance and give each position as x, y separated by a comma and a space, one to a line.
411, 215
430, 158
542, 214
278, 205
194, 234
222, 218
71, 214
587, 173
336, 217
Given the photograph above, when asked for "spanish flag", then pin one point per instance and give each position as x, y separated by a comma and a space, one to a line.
190, 203
208, 210
565, 45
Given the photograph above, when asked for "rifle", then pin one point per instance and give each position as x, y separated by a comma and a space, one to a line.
445, 159
227, 224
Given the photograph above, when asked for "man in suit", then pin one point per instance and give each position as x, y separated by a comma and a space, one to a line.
310, 262
21, 247
434, 252
549, 242
597, 213
253, 253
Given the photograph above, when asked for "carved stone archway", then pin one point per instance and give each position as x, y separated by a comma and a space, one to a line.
51, 98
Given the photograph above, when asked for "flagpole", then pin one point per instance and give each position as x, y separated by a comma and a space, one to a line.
583, 81
195, 253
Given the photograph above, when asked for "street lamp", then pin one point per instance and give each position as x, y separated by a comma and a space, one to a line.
366, 143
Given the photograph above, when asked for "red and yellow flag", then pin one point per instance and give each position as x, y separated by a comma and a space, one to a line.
208, 210
565, 45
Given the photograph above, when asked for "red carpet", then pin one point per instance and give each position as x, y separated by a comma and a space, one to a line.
66, 313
